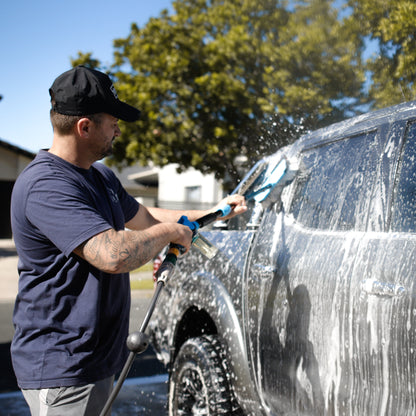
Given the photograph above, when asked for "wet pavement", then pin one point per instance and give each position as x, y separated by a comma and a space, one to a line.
138, 396
143, 393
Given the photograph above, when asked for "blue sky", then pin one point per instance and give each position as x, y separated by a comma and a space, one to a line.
38, 38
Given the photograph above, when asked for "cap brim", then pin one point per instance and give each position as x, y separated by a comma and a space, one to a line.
125, 112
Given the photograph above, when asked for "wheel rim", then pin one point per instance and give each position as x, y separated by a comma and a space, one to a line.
192, 394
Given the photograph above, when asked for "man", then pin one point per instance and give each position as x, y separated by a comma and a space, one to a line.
78, 234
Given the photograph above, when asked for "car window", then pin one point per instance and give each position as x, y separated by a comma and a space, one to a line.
335, 182
404, 204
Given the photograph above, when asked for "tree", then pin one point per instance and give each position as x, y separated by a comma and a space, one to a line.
222, 78
87, 60
392, 25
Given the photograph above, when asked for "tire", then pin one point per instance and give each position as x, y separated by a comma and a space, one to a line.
199, 381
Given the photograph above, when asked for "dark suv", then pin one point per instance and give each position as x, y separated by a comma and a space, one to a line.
309, 306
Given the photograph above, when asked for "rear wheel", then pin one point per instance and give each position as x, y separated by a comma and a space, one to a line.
199, 380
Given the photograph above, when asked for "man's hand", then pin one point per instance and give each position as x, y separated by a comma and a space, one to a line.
237, 203
183, 238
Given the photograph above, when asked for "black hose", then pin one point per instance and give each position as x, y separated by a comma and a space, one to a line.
138, 345
120, 381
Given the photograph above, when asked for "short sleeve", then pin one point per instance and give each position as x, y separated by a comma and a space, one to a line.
64, 213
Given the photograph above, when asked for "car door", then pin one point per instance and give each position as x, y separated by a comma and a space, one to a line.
299, 294
382, 371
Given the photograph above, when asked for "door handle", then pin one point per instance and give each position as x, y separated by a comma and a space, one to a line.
377, 288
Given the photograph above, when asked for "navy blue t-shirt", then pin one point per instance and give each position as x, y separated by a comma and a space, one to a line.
71, 319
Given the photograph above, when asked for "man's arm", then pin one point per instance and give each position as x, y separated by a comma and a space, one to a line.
151, 215
149, 231
123, 251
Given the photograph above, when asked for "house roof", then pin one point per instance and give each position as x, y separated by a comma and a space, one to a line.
147, 177
16, 149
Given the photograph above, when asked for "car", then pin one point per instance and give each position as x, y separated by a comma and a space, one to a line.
309, 305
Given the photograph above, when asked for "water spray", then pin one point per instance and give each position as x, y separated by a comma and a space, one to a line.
259, 183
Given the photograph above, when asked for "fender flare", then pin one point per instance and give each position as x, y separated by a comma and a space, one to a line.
212, 297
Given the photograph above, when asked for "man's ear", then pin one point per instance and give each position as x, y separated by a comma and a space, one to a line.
83, 127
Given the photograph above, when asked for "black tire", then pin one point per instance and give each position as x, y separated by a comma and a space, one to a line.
199, 381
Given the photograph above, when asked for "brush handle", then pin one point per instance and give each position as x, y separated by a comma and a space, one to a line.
213, 216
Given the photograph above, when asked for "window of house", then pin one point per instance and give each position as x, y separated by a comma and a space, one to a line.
404, 203
193, 193
334, 185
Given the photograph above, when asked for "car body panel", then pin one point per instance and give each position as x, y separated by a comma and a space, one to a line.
312, 292
196, 285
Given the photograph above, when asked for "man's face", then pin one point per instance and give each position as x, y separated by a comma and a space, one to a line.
103, 135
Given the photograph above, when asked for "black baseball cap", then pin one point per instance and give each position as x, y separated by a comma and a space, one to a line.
82, 91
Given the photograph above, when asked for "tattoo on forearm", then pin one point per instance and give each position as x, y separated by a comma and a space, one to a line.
119, 252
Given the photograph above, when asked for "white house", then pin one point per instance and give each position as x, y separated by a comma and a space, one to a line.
187, 190
166, 188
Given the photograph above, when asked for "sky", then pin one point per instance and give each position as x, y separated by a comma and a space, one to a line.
38, 40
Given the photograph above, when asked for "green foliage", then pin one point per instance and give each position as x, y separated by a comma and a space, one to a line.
217, 79
222, 78
87, 60
392, 24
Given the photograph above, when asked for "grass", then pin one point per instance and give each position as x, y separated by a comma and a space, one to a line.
145, 284
148, 267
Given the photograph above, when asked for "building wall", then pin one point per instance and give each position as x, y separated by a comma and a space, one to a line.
11, 165
187, 190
